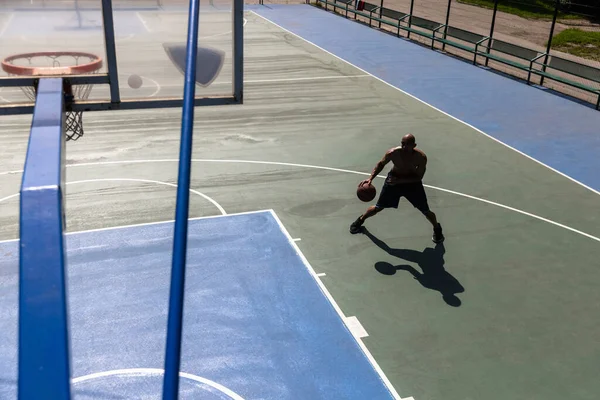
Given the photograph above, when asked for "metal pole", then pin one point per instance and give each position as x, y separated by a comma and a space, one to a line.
111, 54
556, 5
492, 30
410, 13
447, 21
176, 295
238, 50
380, 13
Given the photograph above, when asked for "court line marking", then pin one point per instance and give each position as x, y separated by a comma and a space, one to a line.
170, 221
143, 22
430, 105
337, 308
224, 33
329, 169
8, 21
336, 170
158, 371
221, 209
322, 274
159, 86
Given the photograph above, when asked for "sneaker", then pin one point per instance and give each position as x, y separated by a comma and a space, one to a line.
438, 236
356, 226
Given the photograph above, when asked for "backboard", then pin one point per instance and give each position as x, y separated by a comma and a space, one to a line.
130, 53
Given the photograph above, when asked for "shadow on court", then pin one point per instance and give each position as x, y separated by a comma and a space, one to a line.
431, 261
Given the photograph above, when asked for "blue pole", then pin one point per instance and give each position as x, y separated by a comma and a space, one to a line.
175, 318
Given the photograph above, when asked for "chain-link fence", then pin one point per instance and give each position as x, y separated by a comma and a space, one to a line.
552, 43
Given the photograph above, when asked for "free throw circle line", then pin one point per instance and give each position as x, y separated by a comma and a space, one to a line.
221, 209
158, 371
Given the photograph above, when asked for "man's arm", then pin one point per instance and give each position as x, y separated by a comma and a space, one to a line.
380, 165
421, 167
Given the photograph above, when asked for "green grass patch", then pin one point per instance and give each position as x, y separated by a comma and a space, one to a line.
580, 43
531, 9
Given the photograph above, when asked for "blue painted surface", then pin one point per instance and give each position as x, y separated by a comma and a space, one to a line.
44, 369
556, 131
255, 320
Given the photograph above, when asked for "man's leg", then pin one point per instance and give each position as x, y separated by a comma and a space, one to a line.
418, 199
389, 197
438, 236
355, 227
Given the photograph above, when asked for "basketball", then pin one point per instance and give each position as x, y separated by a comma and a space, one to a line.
134, 81
366, 192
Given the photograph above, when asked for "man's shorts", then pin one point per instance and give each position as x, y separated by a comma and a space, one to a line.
414, 192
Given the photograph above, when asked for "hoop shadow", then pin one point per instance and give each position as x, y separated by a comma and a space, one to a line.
431, 262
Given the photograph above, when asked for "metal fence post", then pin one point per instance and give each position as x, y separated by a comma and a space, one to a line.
491, 30
380, 13
556, 5
410, 13
447, 21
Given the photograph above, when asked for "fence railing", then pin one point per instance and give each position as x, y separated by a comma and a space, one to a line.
551, 43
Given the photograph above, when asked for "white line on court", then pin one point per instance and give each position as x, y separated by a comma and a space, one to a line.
149, 224
276, 80
223, 33
337, 309
306, 78
297, 239
356, 327
322, 274
336, 170
8, 21
250, 81
137, 14
221, 209
157, 371
435, 108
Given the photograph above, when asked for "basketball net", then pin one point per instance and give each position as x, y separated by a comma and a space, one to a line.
54, 64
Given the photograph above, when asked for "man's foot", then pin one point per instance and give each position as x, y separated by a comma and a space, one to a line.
356, 226
438, 236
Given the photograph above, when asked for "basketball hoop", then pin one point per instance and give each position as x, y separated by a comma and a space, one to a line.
57, 64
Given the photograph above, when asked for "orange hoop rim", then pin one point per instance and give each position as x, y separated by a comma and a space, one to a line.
92, 66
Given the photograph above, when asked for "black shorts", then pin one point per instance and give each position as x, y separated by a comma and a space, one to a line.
414, 193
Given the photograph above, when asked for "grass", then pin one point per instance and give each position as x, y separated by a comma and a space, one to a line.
531, 9
580, 43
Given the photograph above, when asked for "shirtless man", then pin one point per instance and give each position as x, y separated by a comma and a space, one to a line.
404, 179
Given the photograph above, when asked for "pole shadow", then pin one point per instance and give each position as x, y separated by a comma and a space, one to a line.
431, 261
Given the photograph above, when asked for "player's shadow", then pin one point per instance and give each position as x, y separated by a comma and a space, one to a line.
431, 262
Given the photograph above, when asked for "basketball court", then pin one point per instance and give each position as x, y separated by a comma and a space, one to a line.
281, 301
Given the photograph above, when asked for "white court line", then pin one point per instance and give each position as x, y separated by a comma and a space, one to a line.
221, 34
322, 274
143, 22
159, 87
157, 371
337, 309
297, 239
435, 108
305, 78
170, 221
221, 209
298, 79
336, 170
8, 21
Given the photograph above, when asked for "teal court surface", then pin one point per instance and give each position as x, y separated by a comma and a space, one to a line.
282, 302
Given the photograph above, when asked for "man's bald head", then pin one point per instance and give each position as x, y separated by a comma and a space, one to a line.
408, 142
409, 138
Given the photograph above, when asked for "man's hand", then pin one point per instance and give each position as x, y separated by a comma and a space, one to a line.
366, 182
